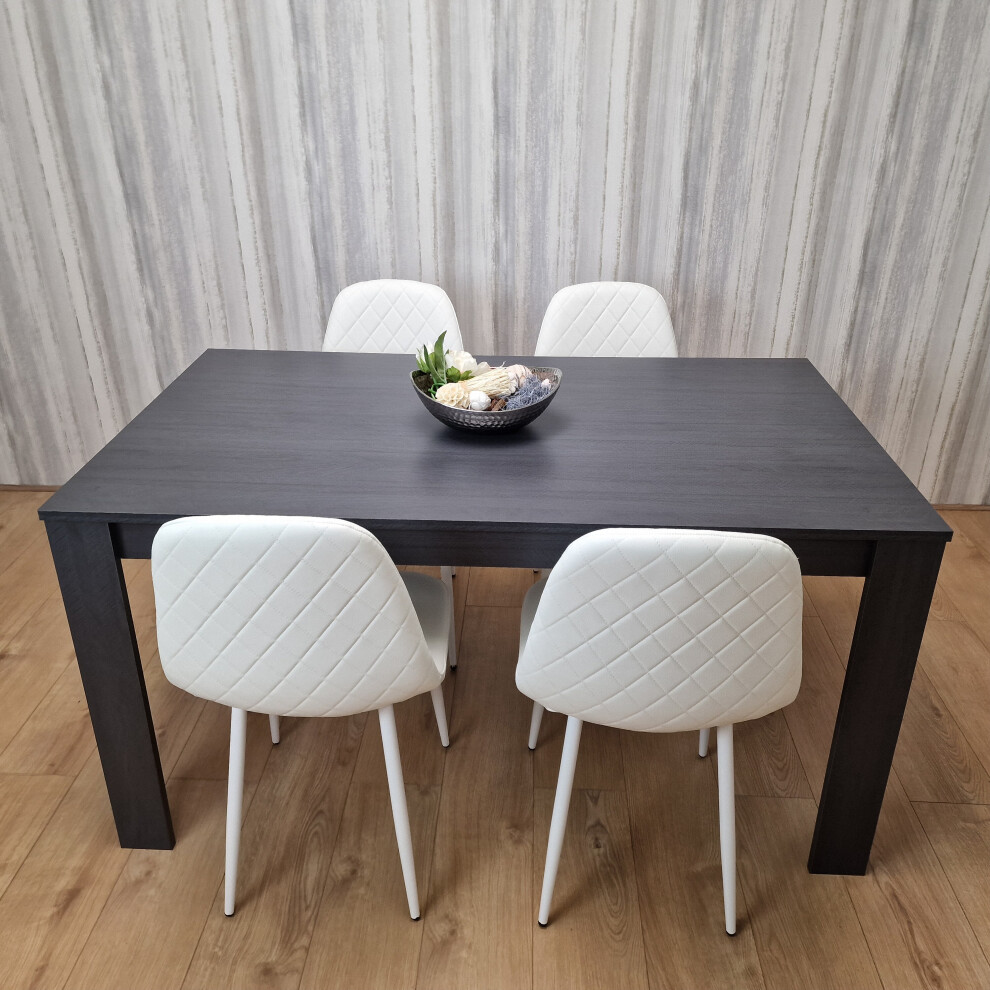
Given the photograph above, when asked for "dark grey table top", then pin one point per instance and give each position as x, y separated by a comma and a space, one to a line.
748, 444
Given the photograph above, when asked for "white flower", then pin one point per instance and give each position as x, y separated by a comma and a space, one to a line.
462, 361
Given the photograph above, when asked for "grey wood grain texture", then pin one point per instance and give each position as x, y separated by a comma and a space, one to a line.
797, 178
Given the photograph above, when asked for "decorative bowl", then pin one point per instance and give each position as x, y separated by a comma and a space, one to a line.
474, 421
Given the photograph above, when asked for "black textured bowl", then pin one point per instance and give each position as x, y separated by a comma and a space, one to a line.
473, 421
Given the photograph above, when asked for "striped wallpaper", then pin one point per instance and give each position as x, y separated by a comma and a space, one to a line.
808, 177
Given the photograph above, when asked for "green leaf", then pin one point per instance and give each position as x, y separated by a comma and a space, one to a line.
453, 375
439, 353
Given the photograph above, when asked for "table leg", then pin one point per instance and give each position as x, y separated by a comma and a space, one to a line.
95, 598
891, 622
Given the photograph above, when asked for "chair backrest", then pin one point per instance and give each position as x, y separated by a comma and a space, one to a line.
391, 315
285, 615
607, 319
662, 630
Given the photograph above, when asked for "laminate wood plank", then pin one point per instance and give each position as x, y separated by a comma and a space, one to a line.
206, 752
479, 930
837, 602
918, 933
11, 494
971, 521
934, 760
943, 607
20, 527
52, 903
26, 805
24, 587
806, 930
419, 742
595, 935
767, 762
363, 935
811, 716
960, 836
287, 841
933, 756
33, 660
500, 585
57, 737
140, 595
152, 921
599, 766
809, 605
672, 798
966, 576
957, 660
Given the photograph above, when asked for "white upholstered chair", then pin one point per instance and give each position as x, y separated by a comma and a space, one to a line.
393, 315
662, 631
297, 616
607, 319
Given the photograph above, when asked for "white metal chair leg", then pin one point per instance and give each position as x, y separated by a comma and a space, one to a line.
400, 813
534, 724
703, 738
558, 821
273, 725
447, 576
453, 572
440, 710
235, 797
727, 823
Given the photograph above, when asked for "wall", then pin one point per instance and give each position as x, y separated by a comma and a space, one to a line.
797, 178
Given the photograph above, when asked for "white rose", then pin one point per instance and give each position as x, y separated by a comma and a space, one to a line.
462, 361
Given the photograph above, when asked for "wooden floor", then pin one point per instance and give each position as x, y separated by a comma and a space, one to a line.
638, 900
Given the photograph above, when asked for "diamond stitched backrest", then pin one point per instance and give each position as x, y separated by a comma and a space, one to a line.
286, 615
391, 315
607, 319
663, 630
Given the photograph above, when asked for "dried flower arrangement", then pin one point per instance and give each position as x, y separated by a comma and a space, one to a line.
457, 379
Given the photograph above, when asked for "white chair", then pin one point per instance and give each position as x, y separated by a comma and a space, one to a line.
392, 315
607, 319
297, 616
662, 631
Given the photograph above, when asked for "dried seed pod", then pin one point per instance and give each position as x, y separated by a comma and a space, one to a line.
517, 372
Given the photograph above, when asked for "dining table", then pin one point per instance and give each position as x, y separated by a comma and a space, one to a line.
735, 444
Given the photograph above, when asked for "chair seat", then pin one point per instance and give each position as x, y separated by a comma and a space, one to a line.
433, 607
